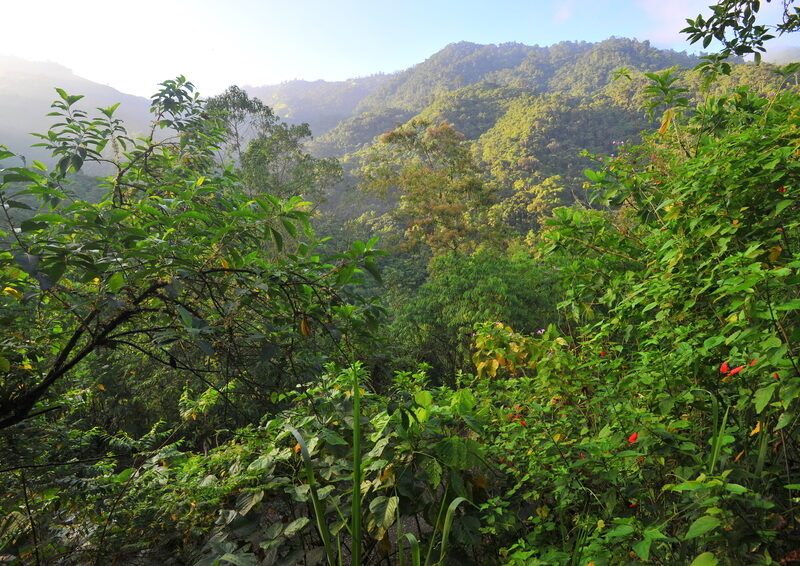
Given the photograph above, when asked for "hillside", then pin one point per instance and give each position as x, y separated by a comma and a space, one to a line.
28, 88
463, 72
320, 104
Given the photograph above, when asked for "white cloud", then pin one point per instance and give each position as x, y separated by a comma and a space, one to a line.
563, 13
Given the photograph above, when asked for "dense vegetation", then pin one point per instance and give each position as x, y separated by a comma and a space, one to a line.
553, 366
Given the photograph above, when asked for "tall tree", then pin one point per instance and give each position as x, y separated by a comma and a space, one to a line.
429, 170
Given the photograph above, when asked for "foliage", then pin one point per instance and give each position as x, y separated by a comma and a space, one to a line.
434, 323
734, 24
183, 367
662, 423
440, 195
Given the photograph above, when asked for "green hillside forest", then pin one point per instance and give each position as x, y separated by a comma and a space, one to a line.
525, 306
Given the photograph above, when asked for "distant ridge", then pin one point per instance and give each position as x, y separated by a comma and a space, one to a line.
27, 89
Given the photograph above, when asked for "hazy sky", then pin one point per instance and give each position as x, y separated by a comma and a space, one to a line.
134, 45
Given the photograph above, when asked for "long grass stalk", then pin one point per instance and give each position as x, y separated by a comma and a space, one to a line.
355, 512
319, 512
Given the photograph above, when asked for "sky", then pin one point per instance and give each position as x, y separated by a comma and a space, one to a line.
134, 45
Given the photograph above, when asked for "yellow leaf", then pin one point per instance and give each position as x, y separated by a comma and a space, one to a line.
305, 329
386, 474
775, 253
739, 456
542, 512
735, 223
101, 387
12, 291
756, 430
26, 366
666, 121
224, 263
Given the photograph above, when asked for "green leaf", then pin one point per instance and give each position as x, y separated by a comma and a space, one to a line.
712, 342
243, 559
434, 471
705, 559
782, 205
784, 420
763, 396
332, 438
295, 526
642, 548
383, 512
32, 224
701, 526
792, 305
423, 398
372, 269
621, 531
115, 282
277, 238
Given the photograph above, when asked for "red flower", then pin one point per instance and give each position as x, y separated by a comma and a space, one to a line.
736, 370
602, 353
753, 362
633, 438
724, 367
522, 422
632, 505
781, 189
776, 375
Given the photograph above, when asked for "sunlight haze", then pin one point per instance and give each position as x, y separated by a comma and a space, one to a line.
132, 46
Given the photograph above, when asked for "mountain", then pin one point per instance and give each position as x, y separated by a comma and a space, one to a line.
28, 88
321, 104
486, 78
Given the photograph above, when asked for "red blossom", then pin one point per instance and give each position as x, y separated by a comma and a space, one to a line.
753, 362
602, 353
633, 438
632, 505
724, 367
735, 370
776, 375
781, 189
522, 422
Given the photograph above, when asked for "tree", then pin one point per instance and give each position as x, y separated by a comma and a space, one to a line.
429, 170
734, 24
276, 163
242, 118
270, 154
175, 265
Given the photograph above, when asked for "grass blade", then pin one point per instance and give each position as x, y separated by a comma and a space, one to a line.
319, 513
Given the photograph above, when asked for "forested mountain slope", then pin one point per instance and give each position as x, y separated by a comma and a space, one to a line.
28, 88
466, 74
320, 104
